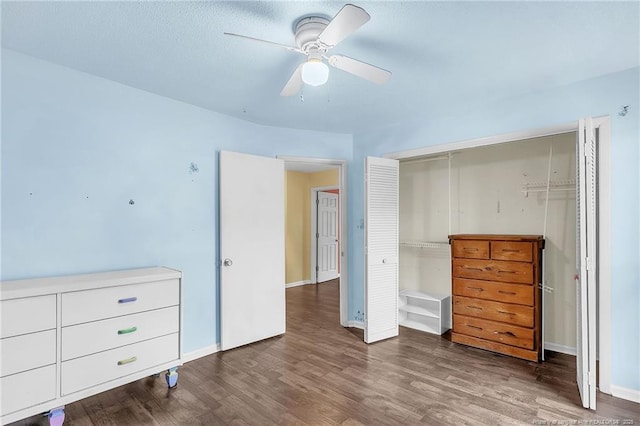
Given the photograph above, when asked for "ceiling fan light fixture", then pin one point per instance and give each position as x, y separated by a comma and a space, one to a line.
315, 72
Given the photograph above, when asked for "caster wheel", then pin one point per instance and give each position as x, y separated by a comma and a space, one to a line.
56, 417
172, 378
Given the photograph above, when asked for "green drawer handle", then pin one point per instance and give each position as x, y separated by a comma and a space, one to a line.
128, 360
127, 330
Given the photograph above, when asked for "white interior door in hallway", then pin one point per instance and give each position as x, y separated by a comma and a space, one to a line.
327, 238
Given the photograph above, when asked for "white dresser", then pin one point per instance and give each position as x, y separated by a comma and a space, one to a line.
65, 338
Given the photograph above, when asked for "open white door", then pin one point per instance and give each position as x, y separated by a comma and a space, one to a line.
586, 258
252, 283
381, 248
327, 236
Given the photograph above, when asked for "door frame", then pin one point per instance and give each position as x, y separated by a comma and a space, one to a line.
603, 123
341, 165
314, 229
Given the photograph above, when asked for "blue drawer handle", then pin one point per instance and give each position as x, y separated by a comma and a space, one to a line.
128, 300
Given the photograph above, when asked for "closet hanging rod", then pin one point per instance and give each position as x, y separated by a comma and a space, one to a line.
425, 159
553, 185
424, 244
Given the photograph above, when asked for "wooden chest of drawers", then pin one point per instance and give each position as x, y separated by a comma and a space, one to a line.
496, 296
66, 338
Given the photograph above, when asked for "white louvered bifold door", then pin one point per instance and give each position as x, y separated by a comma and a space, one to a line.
381, 248
586, 258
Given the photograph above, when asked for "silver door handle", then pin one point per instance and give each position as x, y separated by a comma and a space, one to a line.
227, 262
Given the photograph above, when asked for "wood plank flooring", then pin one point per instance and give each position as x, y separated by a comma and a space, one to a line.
319, 373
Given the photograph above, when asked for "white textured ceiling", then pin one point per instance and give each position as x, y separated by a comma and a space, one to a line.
443, 55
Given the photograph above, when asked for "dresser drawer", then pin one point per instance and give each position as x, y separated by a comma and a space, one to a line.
512, 250
496, 311
27, 315
494, 270
84, 339
509, 293
470, 249
92, 305
85, 372
490, 330
27, 389
28, 351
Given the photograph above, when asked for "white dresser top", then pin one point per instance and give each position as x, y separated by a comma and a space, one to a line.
51, 285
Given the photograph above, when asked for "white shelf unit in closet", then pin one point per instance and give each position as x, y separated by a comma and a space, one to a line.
424, 312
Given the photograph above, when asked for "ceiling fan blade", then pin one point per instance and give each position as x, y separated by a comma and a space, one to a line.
349, 19
294, 84
360, 69
284, 46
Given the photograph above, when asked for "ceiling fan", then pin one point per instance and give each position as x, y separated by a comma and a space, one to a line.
314, 37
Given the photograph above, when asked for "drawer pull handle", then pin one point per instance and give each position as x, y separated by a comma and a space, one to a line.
511, 293
127, 300
127, 330
128, 360
506, 333
506, 313
505, 271
510, 250
475, 307
474, 326
474, 269
476, 288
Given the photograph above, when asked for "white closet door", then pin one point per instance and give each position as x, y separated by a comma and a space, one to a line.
252, 283
586, 258
381, 248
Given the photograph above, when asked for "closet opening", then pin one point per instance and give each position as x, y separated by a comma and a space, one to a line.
521, 183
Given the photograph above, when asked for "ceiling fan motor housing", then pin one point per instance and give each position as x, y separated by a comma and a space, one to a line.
307, 31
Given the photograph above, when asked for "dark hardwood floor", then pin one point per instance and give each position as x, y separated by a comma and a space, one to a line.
319, 373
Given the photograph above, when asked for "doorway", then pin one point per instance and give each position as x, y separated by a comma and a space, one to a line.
307, 177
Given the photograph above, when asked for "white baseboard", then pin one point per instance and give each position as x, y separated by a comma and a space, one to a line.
625, 393
560, 348
199, 353
298, 283
356, 324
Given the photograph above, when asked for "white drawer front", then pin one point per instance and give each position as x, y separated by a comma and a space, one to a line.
85, 372
27, 315
27, 389
92, 305
89, 338
26, 352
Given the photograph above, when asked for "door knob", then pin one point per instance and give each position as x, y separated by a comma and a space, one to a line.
227, 262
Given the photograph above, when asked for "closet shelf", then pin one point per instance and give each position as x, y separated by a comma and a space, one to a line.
433, 328
554, 185
418, 310
425, 244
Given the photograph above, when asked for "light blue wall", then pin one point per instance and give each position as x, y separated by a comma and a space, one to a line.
76, 149
596, 97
